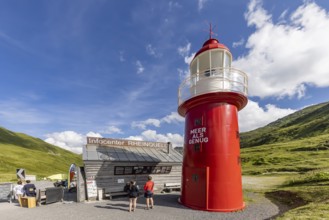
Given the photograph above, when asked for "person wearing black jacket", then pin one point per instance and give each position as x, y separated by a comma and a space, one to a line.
133, 193
29, 189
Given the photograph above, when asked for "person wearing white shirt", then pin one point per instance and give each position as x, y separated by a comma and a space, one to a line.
18, 190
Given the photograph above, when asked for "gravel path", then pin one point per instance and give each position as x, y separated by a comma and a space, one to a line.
166, 208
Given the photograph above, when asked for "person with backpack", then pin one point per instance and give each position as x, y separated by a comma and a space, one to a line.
133, 193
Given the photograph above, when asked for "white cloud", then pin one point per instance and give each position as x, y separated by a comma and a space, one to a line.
69, 140
282, 18
201, 4
121, 56
151, 135
173, 5
140, 67
143, 124
284, 58
253, 116
112, 130
184, 50
93, 134
174, 117
238, 43
188, 59
152, 51
183, 74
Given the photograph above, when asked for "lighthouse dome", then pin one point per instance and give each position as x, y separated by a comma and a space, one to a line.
212, 43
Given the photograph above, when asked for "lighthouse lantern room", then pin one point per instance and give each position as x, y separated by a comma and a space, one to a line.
210, 99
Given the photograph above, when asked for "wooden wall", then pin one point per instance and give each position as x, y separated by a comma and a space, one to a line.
103, 173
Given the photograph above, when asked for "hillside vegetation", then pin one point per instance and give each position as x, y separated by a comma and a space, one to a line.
296, 143
308, 122
296, 148
37, 157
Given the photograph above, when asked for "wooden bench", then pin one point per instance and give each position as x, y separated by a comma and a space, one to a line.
168, 187
41, 197
55, 194
111, 194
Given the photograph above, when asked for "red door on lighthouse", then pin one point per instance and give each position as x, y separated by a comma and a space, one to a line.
196, 182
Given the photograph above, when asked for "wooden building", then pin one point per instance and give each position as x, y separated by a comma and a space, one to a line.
111, 163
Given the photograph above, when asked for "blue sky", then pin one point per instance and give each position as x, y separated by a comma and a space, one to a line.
112, 68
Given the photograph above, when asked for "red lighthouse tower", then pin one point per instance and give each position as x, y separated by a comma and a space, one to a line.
210, 99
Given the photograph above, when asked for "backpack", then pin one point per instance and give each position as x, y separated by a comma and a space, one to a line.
134, 191
126, 188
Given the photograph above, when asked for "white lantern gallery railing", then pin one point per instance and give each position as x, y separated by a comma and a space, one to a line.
213, 80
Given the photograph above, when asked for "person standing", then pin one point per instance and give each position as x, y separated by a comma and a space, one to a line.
133, 192
18, 190
148, 193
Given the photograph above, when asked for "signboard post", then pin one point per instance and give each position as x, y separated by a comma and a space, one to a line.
20, 173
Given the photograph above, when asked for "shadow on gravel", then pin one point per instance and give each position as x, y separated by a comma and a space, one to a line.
120, 206
285, 200
167, 200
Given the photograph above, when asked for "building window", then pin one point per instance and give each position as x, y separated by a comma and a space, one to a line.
119, 170
139, 170
147, 170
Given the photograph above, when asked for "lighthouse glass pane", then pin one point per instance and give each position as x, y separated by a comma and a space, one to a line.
194, 67
227, 60
204, 62
216, 59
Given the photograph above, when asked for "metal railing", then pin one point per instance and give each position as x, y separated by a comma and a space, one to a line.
213, 80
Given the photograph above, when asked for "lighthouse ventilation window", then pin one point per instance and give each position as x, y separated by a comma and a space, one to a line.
197, 147
198, 122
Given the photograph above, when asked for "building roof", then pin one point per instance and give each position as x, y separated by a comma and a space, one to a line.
132, 154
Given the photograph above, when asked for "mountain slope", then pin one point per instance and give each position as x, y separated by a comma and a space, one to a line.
296, 143
37, 157
308, 122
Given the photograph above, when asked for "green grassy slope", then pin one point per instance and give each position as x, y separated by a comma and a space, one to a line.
300, 156
309, 122
296, 143
32, 154
296, 146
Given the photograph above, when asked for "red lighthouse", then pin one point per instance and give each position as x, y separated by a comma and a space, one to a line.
210, 99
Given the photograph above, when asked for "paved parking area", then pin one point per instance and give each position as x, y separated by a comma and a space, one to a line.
166, 208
